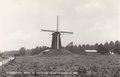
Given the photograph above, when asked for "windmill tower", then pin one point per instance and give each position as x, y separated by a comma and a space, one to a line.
56, 39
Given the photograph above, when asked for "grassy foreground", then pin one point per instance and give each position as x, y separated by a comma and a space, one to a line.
108, 65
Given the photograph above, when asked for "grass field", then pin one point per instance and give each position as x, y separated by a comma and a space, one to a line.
108, 65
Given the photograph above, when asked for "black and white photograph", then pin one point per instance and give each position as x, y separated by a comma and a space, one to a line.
59, 38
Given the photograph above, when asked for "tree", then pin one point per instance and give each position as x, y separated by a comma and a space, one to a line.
79, 46
106, 45
117, 47
83, 46
88, 47
92, 47
102, 50
35, 51
22, 51
96, 45
111, 45
74, 49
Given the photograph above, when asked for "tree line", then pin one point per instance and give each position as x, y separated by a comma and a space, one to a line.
105, 48
34, 51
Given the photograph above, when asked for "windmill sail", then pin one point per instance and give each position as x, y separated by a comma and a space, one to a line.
66, 32
48, 30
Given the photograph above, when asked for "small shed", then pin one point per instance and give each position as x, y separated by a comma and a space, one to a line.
91, 52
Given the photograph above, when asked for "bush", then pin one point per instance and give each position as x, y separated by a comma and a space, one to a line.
102, 50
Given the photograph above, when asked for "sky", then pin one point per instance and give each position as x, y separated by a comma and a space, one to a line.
92, 21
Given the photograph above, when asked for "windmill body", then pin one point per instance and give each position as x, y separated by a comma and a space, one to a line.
56, 40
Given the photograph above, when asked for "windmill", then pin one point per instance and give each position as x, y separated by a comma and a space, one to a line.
56, 39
